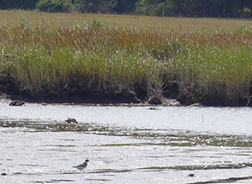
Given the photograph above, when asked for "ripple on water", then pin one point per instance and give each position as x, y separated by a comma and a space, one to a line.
39, 151
160, 137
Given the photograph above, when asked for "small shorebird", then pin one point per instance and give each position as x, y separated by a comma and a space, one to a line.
82, 166
71, 120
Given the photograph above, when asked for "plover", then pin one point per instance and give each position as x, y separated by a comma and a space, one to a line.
82, 166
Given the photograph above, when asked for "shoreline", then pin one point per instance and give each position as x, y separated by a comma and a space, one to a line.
108, 101
94, 101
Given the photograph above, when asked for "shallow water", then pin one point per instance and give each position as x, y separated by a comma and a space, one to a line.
125, 144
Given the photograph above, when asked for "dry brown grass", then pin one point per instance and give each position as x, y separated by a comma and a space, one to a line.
12, 18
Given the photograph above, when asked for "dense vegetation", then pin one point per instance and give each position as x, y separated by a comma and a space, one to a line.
192, 8
44, 60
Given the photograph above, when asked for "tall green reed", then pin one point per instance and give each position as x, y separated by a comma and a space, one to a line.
98, 59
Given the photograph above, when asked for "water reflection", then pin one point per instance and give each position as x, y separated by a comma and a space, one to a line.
44, 150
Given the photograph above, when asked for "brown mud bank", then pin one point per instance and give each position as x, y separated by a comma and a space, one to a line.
169, 96
121, 99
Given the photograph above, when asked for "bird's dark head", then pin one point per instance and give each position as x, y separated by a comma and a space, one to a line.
87, 160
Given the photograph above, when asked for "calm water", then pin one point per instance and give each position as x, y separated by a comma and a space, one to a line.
125, 144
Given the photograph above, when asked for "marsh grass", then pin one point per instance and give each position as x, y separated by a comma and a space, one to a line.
95, 58
160, 24
216, 75
84, 59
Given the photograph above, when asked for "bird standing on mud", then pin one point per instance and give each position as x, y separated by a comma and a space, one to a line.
82, 166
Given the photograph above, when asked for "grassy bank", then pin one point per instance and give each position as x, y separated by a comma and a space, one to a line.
42, 59
160, 24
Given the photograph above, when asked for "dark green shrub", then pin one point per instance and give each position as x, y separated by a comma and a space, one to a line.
55, 5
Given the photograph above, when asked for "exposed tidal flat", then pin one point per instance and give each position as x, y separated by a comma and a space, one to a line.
110, 63
178, 145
